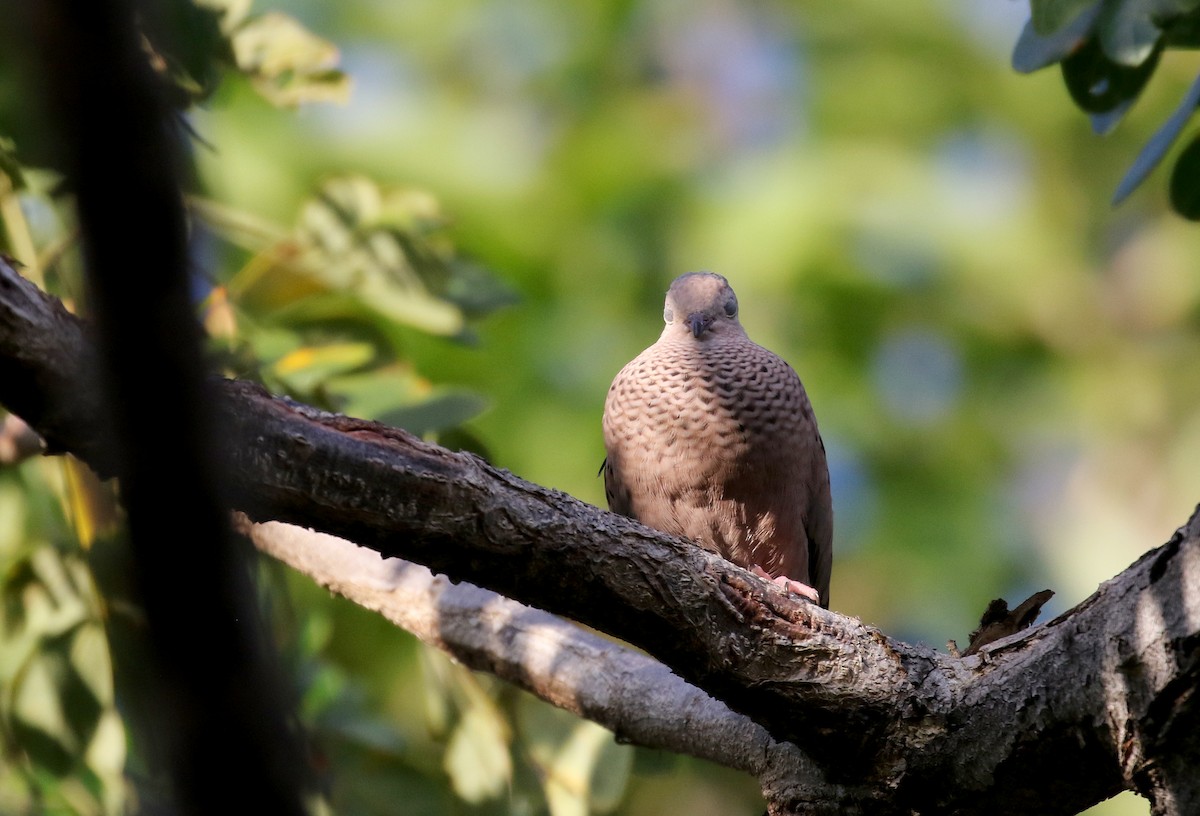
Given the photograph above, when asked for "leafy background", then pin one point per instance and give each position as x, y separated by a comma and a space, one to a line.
461, 216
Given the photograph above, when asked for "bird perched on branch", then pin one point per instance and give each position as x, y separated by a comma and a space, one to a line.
711, 436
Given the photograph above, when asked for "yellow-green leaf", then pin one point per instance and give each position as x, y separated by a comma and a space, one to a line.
584, 770
307, 367
477, 757
288, 63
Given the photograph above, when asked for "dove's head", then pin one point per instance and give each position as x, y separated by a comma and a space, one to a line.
701, 304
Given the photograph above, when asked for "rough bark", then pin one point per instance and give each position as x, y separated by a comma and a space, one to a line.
1048, 721
639, 699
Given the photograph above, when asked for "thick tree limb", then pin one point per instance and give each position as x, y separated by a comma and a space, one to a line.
639, 699
1049, 721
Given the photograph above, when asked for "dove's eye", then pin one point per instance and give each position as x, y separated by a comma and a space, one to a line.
668, 315
731, 307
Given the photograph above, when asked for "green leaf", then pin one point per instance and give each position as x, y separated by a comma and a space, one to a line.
383, 247
1099, 85
1182, 31
350, 227
19, 577
1127, 32
1159, 144
583, 768
1185, 182
1034, 51
477, 756
274, 280
9, 164
476, 291
308, 367
375, 734
54, 710
1048, 16
398, 396
416, 309
1104, 123
437, 681
91, 661
230, 12
1172, 10
288, 64
608, 763
270, 343
445, 408
106, 754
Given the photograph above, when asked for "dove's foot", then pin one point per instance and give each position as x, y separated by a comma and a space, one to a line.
794, 587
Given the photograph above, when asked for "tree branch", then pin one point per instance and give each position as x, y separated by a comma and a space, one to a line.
1050, 720
639, 699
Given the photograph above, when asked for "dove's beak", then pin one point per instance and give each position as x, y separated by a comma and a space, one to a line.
699, 322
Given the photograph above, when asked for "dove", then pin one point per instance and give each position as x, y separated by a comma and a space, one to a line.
712, 437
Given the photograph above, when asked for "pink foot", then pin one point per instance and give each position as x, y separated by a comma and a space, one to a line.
794, 587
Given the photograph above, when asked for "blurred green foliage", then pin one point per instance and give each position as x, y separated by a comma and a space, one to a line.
1108, 50
476, 235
